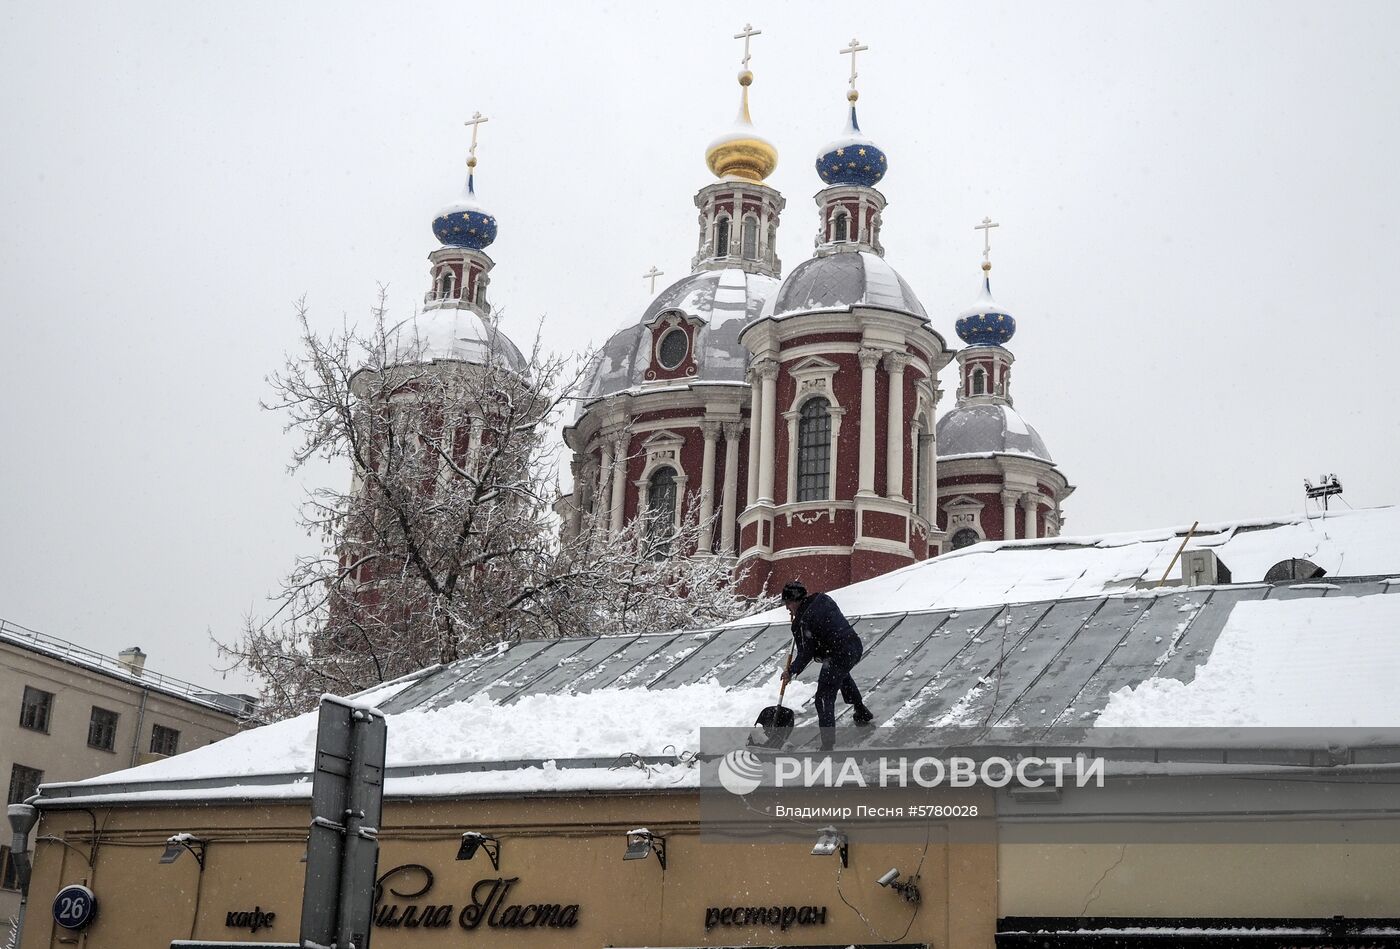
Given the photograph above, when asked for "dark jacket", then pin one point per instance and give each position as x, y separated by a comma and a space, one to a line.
819, 631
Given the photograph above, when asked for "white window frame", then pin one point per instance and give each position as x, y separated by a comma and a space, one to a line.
814, 377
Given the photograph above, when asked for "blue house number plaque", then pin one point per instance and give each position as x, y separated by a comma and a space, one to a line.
74, 906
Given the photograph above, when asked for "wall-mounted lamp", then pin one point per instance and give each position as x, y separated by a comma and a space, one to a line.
472, 842
642, 843
830, 841
179, 843
909, 889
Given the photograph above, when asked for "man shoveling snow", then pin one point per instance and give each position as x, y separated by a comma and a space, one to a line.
821, 631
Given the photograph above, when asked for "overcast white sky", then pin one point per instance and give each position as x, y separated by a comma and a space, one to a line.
1199, 240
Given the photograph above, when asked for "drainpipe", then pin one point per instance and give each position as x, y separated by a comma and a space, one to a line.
140, 718
23, 817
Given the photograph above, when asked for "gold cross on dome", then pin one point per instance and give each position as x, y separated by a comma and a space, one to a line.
851, 50
475, 123
651, 275
986, 228
747, 33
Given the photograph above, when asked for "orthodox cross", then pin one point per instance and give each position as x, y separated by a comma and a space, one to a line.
651, 275
748, 32
986, 228
851, 50
475, 123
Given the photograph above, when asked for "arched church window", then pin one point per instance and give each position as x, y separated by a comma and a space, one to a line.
661, 510
445, 283
814, 450
979, 382
842, 229
749, 235
722, 237
965, 538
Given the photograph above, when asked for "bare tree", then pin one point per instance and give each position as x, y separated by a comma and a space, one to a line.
445, 542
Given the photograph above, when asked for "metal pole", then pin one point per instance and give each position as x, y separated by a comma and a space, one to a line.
1177, 556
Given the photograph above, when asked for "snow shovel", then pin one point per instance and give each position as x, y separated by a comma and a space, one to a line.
777, 721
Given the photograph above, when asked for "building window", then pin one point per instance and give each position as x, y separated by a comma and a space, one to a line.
979, 382
842, 229
671, 351
34, 709
445, 285
749, 235
102, 729
24, 783
164, 741
722, 237
661, 510
9, 879
814, 450
965, 538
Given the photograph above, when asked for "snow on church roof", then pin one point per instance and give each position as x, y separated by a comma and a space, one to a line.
1057, 626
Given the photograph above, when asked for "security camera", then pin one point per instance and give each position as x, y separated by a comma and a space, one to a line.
890, 876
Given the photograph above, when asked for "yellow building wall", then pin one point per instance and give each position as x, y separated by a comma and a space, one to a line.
565, 850
1279, 868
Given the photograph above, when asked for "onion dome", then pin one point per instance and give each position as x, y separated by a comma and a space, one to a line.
984, 323
741, 152
852, 159
464, 223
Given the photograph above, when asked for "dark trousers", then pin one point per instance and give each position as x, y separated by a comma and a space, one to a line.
836, 677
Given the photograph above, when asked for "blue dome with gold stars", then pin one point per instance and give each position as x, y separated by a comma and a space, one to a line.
984, 323
852, 159
464, 223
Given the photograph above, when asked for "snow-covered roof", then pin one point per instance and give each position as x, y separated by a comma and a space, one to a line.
1028, 636
113, 668
842, 281
991, 427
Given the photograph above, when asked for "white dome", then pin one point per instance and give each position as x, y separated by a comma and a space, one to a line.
988, 428
451, 333
842, 281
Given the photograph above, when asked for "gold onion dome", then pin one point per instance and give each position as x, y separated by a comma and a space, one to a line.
741, 152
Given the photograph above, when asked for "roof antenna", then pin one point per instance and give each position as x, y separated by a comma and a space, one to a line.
1327, 487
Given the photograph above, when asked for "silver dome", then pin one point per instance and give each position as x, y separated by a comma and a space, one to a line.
844, 280
988, 428
725, 300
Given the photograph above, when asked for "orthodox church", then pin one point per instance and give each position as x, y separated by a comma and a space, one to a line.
796, 416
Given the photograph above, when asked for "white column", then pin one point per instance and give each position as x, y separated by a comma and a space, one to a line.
894, 436
604, 482
861, 234
1008, 516
474, 446
868, 360
767, 371
707, 490
1029, 503
736, 224
576, 468
755, 415
619, 483
733, 431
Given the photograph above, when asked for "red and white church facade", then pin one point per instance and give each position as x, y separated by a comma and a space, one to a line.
798, 416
